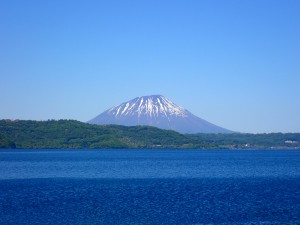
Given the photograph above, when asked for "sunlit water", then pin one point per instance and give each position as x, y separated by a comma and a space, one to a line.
149, 187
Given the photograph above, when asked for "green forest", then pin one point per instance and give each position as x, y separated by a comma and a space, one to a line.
72, 134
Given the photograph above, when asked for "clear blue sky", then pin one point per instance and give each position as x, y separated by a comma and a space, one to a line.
233, 63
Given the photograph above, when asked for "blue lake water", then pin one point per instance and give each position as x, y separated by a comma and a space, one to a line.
149, 187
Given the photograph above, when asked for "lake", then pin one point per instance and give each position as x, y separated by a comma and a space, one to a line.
149, 187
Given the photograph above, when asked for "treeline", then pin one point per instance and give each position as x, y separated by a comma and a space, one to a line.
78, 135
251, 141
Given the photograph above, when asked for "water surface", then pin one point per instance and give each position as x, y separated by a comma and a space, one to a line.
149, 187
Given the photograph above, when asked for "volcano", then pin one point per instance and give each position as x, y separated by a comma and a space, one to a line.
157, 111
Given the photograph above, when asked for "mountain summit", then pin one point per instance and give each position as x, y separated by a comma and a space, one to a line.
158, 111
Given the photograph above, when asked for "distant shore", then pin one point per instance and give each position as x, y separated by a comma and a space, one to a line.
72, 134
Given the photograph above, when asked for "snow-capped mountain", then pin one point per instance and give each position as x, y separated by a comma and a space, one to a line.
158, 111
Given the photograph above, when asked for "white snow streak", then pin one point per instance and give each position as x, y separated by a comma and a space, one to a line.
126, 107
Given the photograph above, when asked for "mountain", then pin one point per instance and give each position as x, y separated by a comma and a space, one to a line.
157, 111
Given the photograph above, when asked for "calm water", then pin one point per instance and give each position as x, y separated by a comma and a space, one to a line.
149, 187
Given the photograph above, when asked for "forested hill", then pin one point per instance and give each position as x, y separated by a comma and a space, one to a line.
75, 134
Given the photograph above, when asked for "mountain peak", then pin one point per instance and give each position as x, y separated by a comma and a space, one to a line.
151, 106
159, 111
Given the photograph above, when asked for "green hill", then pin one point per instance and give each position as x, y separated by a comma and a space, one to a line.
74, 134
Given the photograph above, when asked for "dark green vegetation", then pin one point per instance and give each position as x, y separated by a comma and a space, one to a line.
251, 141
75, 134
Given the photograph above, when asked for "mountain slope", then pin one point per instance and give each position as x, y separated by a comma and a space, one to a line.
158, 111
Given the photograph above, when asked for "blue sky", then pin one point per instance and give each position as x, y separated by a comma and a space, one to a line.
233, 63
